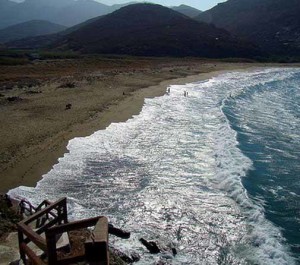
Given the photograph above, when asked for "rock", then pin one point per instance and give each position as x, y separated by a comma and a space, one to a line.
16, 262
68, 106
8, 254
128, 258
174, 251
135, 257
118, 232
5, 198
150, 245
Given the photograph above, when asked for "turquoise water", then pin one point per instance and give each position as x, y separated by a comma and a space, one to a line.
214, 174
266, 117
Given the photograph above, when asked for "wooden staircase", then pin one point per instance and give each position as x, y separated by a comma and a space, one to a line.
45, 224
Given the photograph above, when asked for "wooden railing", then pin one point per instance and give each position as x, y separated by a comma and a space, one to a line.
57, 224
27, 209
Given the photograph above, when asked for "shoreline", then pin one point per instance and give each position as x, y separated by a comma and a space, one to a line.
40, 157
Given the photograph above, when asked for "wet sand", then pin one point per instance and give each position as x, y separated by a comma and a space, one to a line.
36, 126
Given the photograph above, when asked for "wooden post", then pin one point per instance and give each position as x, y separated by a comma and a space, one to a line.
51, 248
96, 247
65, 212
21, 240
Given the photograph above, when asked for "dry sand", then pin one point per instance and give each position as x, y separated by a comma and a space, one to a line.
36, 127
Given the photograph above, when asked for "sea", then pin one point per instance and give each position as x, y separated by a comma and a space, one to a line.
211, 169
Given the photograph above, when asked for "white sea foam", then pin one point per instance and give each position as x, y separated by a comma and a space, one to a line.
173, 174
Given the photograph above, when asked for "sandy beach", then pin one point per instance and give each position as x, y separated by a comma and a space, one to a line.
36, 125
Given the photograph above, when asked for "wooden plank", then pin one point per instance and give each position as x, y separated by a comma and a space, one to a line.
22, 252
101, 230
72, 226
96, 247
65, 213
34, 237
31, 255
60, 203
97, 253
51, 249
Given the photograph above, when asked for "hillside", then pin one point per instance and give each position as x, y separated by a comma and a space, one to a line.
187, 10
63, 12
274, 25
153, 30
29, 29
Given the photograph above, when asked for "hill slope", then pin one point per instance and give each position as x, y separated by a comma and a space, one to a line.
187, 10
29, 29
63, 12
153, 30
272, 24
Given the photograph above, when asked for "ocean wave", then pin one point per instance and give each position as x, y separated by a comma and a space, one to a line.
173, 174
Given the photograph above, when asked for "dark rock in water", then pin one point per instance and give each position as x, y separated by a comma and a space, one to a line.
174, 251
150, 245
162, 262
128, 258
118, 232
135, 257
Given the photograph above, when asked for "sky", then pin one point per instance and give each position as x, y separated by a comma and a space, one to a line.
199, 4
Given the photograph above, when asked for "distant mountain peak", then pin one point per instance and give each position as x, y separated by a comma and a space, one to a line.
30, 28
185, 6
152, 30
187, 10
64, 12
145, 8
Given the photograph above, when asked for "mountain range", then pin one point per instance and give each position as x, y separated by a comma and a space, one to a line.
152, 30
236, 28
187, 10
274, 25
30, 28
63, 12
